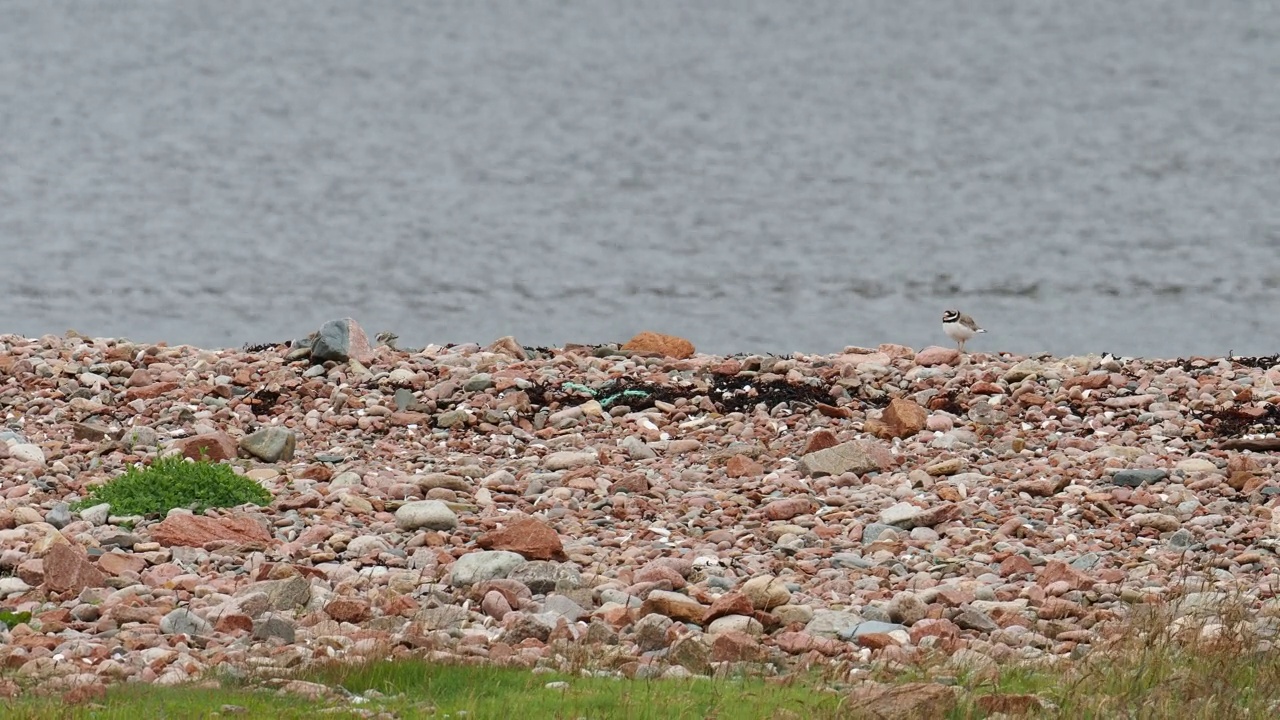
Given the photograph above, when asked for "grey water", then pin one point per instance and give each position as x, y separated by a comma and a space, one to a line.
756, 175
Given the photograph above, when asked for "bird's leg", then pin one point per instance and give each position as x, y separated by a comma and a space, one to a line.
962, 346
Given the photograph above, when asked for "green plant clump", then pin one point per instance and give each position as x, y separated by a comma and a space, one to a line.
175, 482
12, 619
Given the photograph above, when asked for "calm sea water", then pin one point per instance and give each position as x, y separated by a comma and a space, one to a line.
753, 175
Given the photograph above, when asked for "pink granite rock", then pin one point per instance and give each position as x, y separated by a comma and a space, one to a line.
198, 530
67, 569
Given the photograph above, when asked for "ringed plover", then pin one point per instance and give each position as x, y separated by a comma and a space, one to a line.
959, 327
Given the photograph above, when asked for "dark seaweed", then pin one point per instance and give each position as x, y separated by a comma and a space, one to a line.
1234, 423
1262, 362
950, 403
262, 400
733, 393
262, 347
739, 393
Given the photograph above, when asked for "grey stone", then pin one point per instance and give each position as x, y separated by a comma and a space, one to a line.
563, 607
445, 617
1139, 476
872, 532
478, 382
878, 613
1204, 604
1086, 561
97, 514
403, 398
850, 560
271, 444
337, 339
366, 545
29, 453
141, 436
1186, 507
12, 586
1181, 540
637, 448
528, 626
484, 565
613, 595
442, 480
907, 608
971, 619
429, 514
715, 582
967, 660
452, 418
900, 514
651, 631
691, 652
1023, 370
788, 614
251, 603
851, 457
545, 576
867, 628
84, 612
1159, 521
274, 626
120, 539
285, 594
567, 459
346, 479
735, 623
299, 349
599, 633
829, 623
59, 516
181, 621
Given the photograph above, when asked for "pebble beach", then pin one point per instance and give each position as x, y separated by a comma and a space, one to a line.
663, 512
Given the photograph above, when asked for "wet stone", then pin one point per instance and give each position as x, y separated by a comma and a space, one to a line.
1139, 476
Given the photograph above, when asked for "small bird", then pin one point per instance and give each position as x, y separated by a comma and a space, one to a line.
959, 327
388, 338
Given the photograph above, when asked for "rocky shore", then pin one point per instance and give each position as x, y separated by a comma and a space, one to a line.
660, 512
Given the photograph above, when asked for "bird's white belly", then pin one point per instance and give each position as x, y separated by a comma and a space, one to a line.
957, 332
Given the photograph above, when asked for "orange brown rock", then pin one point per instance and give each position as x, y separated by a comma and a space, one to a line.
659, 344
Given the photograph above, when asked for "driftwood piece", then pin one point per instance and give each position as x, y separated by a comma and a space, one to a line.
1258, 444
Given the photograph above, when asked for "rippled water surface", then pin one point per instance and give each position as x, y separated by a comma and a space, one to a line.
755, 176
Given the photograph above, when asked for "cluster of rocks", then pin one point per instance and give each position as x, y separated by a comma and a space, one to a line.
977, 510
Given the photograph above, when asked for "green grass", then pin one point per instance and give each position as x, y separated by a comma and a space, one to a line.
493, 692
415, 689
175, 482
1153, 669
137, 700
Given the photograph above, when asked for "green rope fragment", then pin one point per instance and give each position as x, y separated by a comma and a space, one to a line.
624, 394
608, 399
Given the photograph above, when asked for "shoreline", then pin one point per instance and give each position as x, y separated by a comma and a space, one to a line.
675, 515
